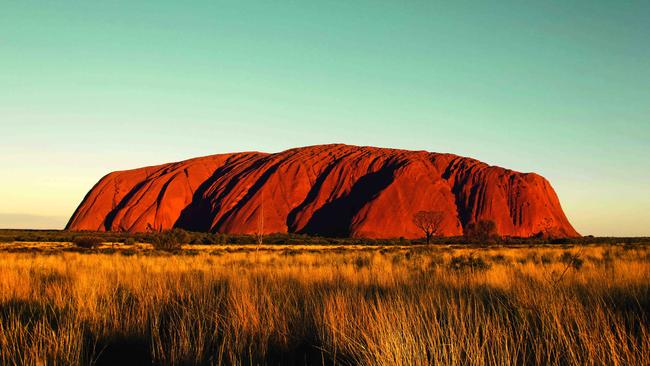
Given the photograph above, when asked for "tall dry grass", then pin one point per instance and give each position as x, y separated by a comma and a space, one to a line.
384, 306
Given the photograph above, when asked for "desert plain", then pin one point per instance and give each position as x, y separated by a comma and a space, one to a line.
325, 305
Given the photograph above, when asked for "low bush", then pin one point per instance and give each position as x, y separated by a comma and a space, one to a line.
87, 242
169, 240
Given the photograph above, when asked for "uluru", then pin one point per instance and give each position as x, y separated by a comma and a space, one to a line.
330, 190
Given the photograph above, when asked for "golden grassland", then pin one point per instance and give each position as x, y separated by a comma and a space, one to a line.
242, 305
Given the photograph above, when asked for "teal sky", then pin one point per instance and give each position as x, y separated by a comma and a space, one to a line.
560, 89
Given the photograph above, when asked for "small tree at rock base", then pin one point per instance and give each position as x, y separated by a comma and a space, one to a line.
259, 231
430, 222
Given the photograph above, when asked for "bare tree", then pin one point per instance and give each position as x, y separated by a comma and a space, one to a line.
429, 222
259, 234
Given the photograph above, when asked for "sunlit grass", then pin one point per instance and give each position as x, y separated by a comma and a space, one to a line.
324, 305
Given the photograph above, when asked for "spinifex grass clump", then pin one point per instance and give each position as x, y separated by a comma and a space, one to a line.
324, 306
470, 262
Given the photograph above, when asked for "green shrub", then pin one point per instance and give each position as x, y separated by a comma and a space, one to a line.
129, 241
169, 240
87, 242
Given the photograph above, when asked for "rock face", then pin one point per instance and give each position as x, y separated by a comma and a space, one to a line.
330, 190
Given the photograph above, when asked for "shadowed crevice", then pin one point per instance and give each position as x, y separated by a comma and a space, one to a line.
334, 218
259, 183
108, 223
198, 215
292, 225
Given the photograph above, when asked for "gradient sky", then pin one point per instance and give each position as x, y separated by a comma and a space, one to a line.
559, 89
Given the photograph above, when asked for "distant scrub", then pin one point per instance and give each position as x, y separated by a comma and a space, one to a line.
483, 231
87, 242
169, 240
484, 236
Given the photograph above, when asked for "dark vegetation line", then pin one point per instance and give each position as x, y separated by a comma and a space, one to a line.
189, 237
